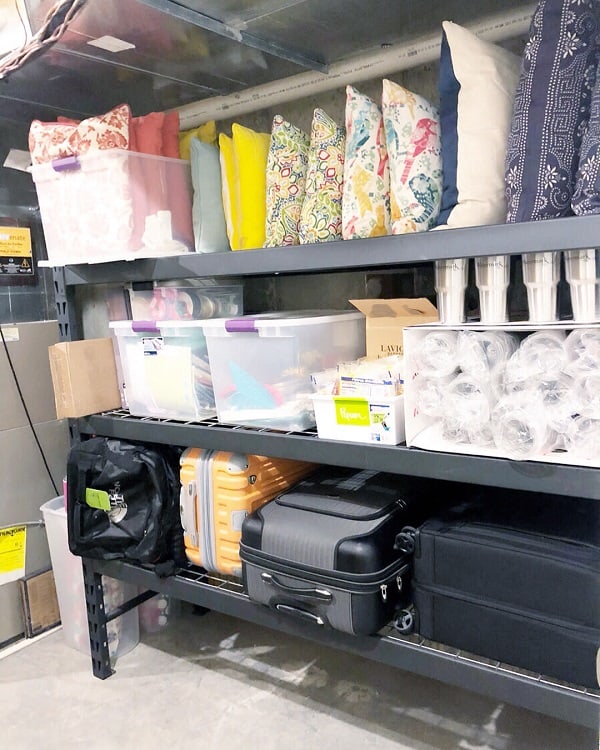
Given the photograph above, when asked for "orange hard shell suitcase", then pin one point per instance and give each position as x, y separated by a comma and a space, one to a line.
218, 490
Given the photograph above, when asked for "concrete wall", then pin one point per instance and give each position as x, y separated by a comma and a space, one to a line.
24, 481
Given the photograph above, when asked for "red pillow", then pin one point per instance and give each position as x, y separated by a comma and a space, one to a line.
171, 135
148, 131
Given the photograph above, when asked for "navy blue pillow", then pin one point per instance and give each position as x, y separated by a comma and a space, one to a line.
448, 89
551, 110
586, 198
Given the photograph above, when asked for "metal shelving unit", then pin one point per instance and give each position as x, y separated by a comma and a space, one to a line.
533, 692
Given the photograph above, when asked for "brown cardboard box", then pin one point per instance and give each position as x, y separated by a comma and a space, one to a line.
84, 377
387, 317
40, 605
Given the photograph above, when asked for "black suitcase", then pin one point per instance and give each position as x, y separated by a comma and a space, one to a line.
514, 578
325, 551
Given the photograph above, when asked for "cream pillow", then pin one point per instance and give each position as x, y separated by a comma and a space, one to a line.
478, 81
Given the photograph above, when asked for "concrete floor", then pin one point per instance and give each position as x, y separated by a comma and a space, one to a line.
218, 683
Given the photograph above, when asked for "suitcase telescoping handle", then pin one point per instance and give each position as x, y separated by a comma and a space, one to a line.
315, 593
300, 613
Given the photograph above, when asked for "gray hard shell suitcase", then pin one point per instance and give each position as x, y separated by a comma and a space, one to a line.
514, 577
325, 551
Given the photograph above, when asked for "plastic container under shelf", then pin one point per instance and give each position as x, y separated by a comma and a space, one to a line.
114, 205
186, 302
123, 632
165, 369
261, 364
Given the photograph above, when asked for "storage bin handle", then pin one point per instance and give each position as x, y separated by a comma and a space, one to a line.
67, 164
314, 593
300, 613
241, 325
144, 326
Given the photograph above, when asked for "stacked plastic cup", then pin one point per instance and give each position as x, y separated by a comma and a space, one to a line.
451, 278
581, 270
541, 274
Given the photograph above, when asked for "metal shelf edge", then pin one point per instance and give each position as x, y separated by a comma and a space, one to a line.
569, 704
574, 232
563, 479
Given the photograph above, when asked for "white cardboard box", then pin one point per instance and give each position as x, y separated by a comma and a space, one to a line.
360, 420
423, 431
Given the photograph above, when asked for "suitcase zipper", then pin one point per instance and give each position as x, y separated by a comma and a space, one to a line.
508, 609
533, 545
347, 581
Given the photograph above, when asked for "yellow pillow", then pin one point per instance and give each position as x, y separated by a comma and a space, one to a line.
251, 151
230, 192
206, 133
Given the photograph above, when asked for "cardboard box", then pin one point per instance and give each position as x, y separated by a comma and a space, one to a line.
40, 605
84, 376
426, 432
386, 319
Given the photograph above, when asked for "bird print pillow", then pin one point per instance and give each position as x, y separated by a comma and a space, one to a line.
366, 196
412, 134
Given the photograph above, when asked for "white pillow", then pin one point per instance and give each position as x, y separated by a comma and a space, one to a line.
487, 77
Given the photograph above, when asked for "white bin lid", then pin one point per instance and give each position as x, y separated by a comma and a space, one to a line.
268, 322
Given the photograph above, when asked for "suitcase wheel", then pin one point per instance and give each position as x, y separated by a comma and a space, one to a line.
404, 621
405, 540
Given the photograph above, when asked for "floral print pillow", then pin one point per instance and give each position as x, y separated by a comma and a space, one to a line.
366, 197
321, 215
49, 141
552, 106
287, 163
412, 133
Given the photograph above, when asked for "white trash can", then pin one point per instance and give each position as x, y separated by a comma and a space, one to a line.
123, 632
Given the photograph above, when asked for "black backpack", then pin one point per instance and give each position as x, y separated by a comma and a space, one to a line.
123, 502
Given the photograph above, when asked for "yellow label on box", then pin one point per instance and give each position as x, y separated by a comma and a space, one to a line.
12, 553
15, 242
352, 411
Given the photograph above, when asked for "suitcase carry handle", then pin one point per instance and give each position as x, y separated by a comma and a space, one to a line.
300, 613
187, 501
321, 594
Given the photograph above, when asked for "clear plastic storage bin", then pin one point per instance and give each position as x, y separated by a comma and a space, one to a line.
165, 369
186, 302
114, 205
261, 364
123, 632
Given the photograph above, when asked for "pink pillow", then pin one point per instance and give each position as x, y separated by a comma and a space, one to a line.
56, 140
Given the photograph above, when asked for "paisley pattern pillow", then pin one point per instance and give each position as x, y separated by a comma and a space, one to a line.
366, 198
586, 197
412, 133
49, 141
551, 110
286, 180
321, 216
